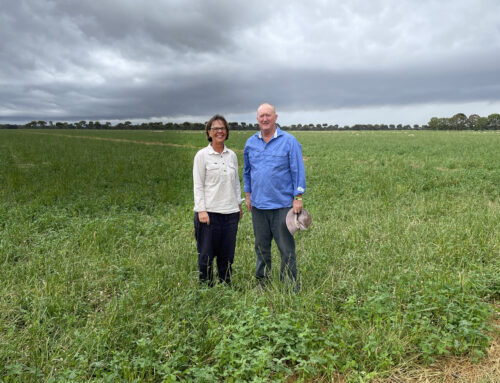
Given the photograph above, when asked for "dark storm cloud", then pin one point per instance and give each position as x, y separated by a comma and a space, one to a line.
71, 60
182, 27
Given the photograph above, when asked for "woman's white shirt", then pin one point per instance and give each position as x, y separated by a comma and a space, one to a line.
216, 181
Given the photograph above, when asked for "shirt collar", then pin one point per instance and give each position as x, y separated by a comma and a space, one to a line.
212, 151
277, 132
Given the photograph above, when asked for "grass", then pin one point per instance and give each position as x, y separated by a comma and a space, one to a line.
99, 273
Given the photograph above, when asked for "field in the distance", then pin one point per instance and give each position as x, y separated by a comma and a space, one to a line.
98, 280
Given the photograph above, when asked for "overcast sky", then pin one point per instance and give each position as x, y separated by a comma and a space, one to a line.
318, 61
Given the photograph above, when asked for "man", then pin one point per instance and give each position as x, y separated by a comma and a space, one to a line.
274, 181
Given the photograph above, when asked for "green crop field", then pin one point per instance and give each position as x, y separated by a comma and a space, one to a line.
98, 281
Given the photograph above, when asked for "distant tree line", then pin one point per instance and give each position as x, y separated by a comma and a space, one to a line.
461, 122
458, 122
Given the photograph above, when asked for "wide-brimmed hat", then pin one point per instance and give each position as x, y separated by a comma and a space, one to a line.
295, 222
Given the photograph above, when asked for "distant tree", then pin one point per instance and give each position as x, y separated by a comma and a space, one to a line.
434, 123
437, 123
472, 121
493, 121
459, 121
482, 123
153, 126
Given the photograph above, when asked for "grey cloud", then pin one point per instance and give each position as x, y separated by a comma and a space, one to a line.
139, 60
202, 94
201, 26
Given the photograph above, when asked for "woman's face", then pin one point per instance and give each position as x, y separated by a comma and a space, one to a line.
218, 132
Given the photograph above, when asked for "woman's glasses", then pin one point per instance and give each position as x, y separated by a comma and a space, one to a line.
218, 129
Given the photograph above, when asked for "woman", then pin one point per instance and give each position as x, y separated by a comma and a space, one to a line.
217, 202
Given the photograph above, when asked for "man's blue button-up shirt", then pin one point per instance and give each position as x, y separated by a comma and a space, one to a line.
273, 172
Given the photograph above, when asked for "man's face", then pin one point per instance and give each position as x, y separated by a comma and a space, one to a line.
266, 117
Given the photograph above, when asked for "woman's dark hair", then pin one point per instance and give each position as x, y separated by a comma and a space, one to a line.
217, 117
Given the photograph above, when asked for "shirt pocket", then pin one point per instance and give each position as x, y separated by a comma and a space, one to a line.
256, 155
278, 162
232, 172
212, 175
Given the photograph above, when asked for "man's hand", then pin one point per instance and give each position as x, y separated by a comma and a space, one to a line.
297, 206
247, 202
241, 212
203, 217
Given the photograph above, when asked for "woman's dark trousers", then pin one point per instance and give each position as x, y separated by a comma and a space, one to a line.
216, 240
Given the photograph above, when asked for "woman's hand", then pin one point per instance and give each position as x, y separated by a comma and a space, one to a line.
203, 217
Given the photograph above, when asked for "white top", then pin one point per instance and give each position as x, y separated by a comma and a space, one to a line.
216, 181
